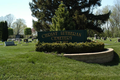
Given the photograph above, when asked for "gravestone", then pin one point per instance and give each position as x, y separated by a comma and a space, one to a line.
95, 36
10, 43
26, 40
105, 38
1, 44
19, 41
29, 40
118, 40
17, 36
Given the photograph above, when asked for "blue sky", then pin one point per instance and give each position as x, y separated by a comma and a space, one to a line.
21, 9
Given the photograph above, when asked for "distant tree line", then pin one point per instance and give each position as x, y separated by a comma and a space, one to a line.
5, 32
112, 26
18, 25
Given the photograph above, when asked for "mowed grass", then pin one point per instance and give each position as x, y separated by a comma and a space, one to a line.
22, 62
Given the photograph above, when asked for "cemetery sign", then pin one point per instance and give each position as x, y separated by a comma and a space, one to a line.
63, 36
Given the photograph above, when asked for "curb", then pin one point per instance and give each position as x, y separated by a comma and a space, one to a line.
95, 57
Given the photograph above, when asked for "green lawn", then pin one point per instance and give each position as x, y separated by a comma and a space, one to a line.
22, 62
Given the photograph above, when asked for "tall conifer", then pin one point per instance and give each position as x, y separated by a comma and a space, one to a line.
44, 10
61, 19
4, 31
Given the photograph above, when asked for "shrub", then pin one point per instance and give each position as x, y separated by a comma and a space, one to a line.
70, 47
10, 31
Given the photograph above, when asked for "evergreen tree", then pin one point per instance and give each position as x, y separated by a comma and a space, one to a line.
80, 20
40, 26
27, 31
10, 31
0, 31
4, 30
61, 19
44, 10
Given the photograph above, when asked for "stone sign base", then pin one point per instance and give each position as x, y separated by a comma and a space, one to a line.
95, 57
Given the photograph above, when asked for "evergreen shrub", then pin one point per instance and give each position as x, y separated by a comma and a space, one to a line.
70, 47
4, 30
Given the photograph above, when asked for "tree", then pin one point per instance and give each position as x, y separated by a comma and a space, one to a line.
0, 31
61, 19
45, 10
27, 31
80, 20
106, 26
38, 26
10, 31
115, 18
4, 32
112, 26
9, 18
19, 26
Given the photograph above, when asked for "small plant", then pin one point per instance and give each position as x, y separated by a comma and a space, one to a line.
62, 54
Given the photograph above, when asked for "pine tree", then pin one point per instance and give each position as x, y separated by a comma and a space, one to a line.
40, 25
4, 30
0, 31
61, 19
81, 20
44, 10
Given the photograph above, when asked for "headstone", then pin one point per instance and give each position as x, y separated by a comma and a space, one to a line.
19, 41
30, 37
95, 36
118, 40
13, 39
10, 43
105, 38
26, 40
30, 40
1, 44
17, 36
98, 37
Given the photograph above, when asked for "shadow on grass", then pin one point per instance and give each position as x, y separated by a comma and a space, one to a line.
114, 62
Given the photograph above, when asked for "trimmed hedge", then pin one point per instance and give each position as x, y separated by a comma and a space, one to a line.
70, 47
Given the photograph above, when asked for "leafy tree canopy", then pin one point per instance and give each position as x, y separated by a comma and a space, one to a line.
27, 31
10, 31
